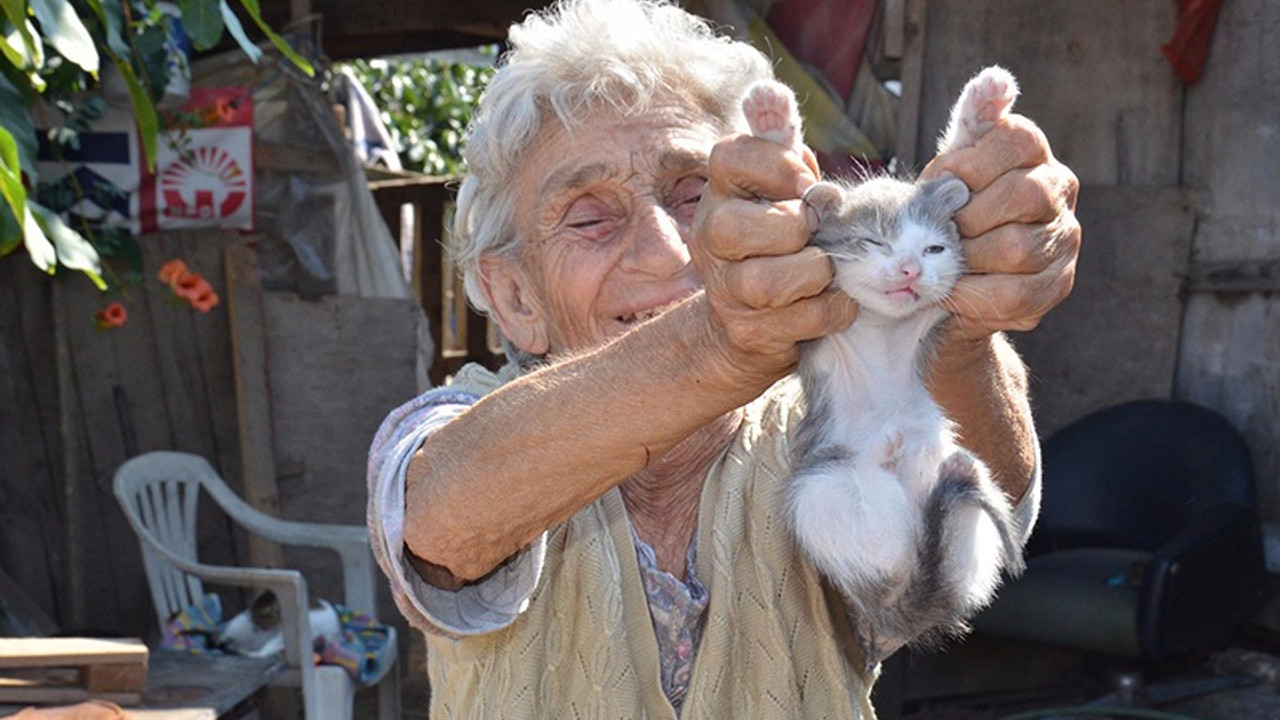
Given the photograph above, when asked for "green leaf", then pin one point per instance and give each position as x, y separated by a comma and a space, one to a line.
10, 231
16, 12
23, 48
151, 60
64, 30
111, 15
255, 13
15, 120
15, 194
202, 20
72, 249
237, 31
144, 111
42, 252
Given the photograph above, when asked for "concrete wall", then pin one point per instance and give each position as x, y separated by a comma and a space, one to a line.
1176, 292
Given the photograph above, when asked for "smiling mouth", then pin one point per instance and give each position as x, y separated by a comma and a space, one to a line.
640, 316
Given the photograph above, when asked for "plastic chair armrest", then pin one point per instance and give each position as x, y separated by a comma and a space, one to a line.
350, 542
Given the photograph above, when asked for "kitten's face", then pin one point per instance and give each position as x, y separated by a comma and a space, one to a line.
895, 248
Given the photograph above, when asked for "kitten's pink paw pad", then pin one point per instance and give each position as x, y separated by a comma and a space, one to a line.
959, 466
771, 113
892, 451
991, 93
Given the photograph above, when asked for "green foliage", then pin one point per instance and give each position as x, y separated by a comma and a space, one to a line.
53, 51
426, 104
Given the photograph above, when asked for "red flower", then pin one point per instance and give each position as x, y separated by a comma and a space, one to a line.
111, 316
205, 302
191, 286
225, 109
172, 271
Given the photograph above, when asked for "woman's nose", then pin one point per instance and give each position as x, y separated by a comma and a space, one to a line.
656, 245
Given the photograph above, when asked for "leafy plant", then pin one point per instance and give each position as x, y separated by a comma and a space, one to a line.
54, 52
426, 104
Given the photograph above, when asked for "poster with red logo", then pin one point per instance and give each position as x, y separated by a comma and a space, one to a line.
204, 165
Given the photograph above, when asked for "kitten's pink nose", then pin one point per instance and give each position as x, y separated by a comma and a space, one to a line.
910, 270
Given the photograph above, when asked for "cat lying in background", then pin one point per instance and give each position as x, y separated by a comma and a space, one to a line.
908, 525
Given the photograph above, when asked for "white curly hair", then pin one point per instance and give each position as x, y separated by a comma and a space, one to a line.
565, 63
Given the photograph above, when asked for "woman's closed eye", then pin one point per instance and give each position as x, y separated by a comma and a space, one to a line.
589, 217
684, 197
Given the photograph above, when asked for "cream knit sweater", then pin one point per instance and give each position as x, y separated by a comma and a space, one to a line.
775, 645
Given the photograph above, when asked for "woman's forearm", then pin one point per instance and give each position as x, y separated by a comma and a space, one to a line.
982, 387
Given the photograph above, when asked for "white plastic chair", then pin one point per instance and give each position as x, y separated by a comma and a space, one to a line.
159, 492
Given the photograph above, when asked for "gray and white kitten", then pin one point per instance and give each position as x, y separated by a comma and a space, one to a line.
907, 524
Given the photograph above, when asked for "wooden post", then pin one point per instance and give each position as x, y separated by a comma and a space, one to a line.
917, 13
253, 399
72, 472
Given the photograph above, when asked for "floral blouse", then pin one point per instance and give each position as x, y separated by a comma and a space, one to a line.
677, 608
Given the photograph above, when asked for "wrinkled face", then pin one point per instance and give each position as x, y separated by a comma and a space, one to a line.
603, 214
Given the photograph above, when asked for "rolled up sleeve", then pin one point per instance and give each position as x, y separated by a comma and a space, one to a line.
481, 607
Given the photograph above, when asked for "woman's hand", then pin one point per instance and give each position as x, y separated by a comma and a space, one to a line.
766, 288
1021, 233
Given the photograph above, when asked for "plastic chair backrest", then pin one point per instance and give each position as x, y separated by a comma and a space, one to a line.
1131, 476
160, 493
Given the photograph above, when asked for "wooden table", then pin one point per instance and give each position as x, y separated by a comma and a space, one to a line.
181, 686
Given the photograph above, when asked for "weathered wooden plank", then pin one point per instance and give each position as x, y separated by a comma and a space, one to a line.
211, 346
337, 367
300, 159
194, 357
31, 542
81, 521
177, 355
104, 369
1116, 337
253, 400
1091, 74
385, 27
181, 682
909, 151
70, 651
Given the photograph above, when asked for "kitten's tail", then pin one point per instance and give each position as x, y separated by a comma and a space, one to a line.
961, 564
968, 540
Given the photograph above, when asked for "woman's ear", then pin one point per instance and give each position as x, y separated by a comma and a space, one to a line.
513, 304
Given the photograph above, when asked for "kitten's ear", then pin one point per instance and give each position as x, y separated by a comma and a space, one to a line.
514, 304
944, 196
824, 199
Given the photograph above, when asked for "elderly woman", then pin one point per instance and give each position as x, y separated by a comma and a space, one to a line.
574, 531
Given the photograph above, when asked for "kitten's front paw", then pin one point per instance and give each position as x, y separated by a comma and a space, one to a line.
891, 451
771, 112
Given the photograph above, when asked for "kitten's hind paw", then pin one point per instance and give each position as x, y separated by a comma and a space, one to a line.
771, 112
985, 101
989, 95
959, 465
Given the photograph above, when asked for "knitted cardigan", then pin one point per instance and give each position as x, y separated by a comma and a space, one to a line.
776, 643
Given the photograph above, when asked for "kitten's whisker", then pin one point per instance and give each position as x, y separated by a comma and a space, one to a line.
953, 303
